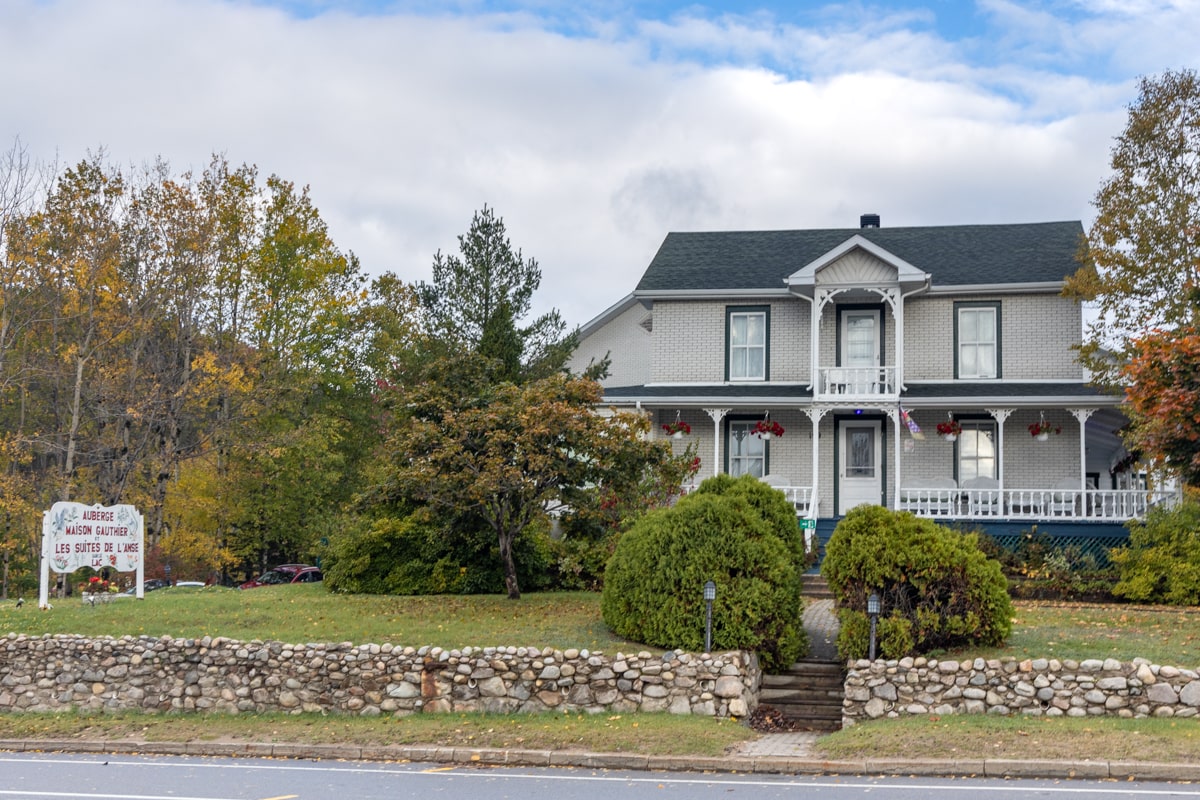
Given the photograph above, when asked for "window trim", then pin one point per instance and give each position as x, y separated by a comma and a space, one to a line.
727, 435
730, 311
977, 304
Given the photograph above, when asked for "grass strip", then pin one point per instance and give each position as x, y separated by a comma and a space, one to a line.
650, 734
1055, 738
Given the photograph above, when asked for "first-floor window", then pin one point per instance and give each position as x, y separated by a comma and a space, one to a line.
976, 450
747, 452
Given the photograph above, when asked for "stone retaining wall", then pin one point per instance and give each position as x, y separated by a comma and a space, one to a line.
54, 673
1037, 687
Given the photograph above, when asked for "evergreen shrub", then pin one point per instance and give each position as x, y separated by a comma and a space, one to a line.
770, 503
728, 533
420, 553
937, 588
1161, 564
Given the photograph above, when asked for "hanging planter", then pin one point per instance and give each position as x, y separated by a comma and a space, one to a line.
766, 429
1041, 429
949, 430
676, 429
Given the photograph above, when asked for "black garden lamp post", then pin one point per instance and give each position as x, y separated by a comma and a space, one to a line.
710, 594
873, 613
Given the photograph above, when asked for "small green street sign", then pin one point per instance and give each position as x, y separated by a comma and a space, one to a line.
806, 522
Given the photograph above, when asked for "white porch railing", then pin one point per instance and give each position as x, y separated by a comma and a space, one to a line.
1101, 505
848, 382
799, 496
1093, 505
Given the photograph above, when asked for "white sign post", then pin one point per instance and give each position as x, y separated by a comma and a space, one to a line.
75, 535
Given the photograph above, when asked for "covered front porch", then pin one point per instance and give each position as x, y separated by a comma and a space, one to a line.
991, 465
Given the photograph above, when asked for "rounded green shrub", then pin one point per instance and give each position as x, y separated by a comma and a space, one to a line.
770, 503
653, 586
1162, 562
937, 588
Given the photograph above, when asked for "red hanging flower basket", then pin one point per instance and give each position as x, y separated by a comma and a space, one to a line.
766, 429
677, 428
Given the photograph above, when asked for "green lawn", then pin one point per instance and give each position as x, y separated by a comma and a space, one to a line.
308, 613
1161, 634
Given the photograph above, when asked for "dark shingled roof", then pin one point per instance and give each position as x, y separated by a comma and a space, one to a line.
969, 389
954, 255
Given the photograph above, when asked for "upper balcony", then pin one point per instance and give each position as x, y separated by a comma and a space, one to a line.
860, 384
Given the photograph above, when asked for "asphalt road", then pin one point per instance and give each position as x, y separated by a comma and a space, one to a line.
54, 776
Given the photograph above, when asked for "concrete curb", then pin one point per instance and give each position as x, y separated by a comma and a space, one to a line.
966, 767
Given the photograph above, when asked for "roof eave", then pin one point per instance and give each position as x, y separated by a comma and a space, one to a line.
1042, 287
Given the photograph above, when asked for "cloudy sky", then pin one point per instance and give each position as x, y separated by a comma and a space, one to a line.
594, 127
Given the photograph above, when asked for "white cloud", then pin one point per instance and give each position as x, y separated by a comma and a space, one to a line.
592, 148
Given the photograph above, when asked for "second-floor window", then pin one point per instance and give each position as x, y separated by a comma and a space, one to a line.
977, 333
747, 333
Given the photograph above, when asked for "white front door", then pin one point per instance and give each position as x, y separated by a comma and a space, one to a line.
859, 459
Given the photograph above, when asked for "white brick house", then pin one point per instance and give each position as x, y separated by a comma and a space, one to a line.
831, 333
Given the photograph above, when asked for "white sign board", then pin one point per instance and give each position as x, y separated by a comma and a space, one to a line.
75, 535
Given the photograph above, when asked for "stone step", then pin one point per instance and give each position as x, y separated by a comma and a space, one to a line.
808, 692
812, 695
815, 667
816, 718
813, 585
823, 682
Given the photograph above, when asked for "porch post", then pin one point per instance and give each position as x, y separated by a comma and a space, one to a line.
820, 298
717, 415
823, 298
895, 415
815, 415
1082, 414
898, 318
1000, 415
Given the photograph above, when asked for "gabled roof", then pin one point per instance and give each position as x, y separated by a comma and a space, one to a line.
955, 255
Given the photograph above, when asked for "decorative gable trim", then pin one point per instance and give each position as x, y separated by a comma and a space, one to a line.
857, 268
905, 273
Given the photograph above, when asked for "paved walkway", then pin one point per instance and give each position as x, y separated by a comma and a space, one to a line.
798, 744
820, 622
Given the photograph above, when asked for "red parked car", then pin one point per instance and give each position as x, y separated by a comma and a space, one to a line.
285, 573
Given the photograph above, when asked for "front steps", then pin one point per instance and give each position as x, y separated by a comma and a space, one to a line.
813, 586
809, 692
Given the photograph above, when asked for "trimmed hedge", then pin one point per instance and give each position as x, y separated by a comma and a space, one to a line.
937, 588
727, 532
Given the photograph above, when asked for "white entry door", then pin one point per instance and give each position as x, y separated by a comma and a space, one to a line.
860, 478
